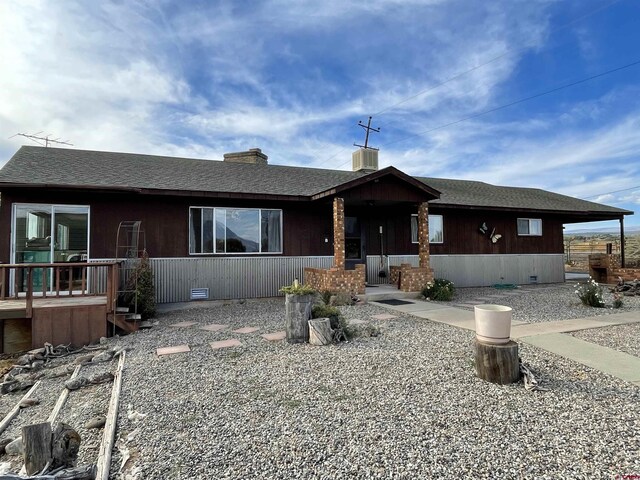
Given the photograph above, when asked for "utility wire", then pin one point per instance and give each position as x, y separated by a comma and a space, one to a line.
608, 193
460, 74
507, 52
516, 102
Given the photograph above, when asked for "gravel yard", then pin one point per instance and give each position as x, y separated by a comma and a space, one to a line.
542, 303
625, 338
405, 404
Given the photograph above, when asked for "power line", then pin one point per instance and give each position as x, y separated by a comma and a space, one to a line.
522, 100
507, 52
460, 74
609, 193
510, 104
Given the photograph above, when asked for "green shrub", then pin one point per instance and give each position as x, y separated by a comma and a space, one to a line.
617, 300
590, 294
327, 311
297, 288
326, 297
341, 330
140, 294
439, 290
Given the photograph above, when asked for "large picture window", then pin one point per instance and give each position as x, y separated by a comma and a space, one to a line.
530, 226
234, 230
436, 229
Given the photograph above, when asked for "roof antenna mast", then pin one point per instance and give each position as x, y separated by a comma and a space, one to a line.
368, 128
39, 139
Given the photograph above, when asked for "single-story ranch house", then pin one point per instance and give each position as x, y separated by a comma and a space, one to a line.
242, 228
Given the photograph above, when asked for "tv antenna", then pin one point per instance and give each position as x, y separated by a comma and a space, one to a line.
37, 138
368, 128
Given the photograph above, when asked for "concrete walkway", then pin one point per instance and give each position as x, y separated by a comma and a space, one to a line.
550, 336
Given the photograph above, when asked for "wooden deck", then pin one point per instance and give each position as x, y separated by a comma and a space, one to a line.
28, 319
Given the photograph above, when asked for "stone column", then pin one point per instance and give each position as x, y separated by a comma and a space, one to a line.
338, 233
423, 234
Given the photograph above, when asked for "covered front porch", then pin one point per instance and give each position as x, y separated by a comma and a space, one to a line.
373, 218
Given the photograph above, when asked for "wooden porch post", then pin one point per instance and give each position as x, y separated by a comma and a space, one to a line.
338, 233
622, 242
423, 234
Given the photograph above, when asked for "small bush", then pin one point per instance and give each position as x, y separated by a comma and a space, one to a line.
439, 290
341, 330
617, 300
326, 297
327, 311
140, 293
297, 288
590, 294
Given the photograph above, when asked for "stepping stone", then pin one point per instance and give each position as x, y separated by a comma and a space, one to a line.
356, 321
496, 296
384, 316
274, 337
246, 330
172, 350
482, 299
183, 324
214, 327
226, 344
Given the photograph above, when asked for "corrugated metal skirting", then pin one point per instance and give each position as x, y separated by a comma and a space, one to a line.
479, 270
253, 277
247, 277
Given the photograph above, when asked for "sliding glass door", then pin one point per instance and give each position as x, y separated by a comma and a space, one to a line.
48, 234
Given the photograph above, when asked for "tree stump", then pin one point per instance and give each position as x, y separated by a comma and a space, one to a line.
37, 446
320, 332
498, 363
298, 313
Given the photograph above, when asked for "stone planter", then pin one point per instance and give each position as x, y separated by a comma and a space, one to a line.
493, 323
298, 313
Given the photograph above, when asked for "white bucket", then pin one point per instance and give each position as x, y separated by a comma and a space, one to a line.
493, 323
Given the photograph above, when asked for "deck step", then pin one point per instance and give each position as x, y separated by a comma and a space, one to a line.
122, 309
119, 321
132, 317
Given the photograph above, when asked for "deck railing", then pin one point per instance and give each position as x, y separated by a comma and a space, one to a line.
59, 280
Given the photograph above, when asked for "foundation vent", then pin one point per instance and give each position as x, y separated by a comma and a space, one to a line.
533, 279
365, 160
199, 294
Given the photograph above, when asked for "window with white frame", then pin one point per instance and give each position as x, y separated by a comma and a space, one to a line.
530, 227
436, 229
234, 230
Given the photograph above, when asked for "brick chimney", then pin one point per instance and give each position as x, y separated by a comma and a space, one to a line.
253, 155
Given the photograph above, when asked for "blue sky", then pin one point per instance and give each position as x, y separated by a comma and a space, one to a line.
294, 77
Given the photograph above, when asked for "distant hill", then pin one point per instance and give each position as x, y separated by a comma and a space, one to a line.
630, 230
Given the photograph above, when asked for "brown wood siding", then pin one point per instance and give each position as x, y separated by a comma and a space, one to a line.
306, 225
386, 189
78, 325
462, 234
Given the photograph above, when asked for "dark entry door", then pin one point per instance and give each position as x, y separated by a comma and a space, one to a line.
353, 242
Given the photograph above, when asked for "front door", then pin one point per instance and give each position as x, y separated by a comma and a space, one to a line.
353, 242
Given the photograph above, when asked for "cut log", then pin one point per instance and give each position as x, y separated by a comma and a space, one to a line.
320, 332
15, 410
108, 436
37, 447
498, 363
298, 313
62, 398
86, 472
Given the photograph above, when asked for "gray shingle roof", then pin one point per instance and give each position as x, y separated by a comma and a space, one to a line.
480, 194
84, 168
